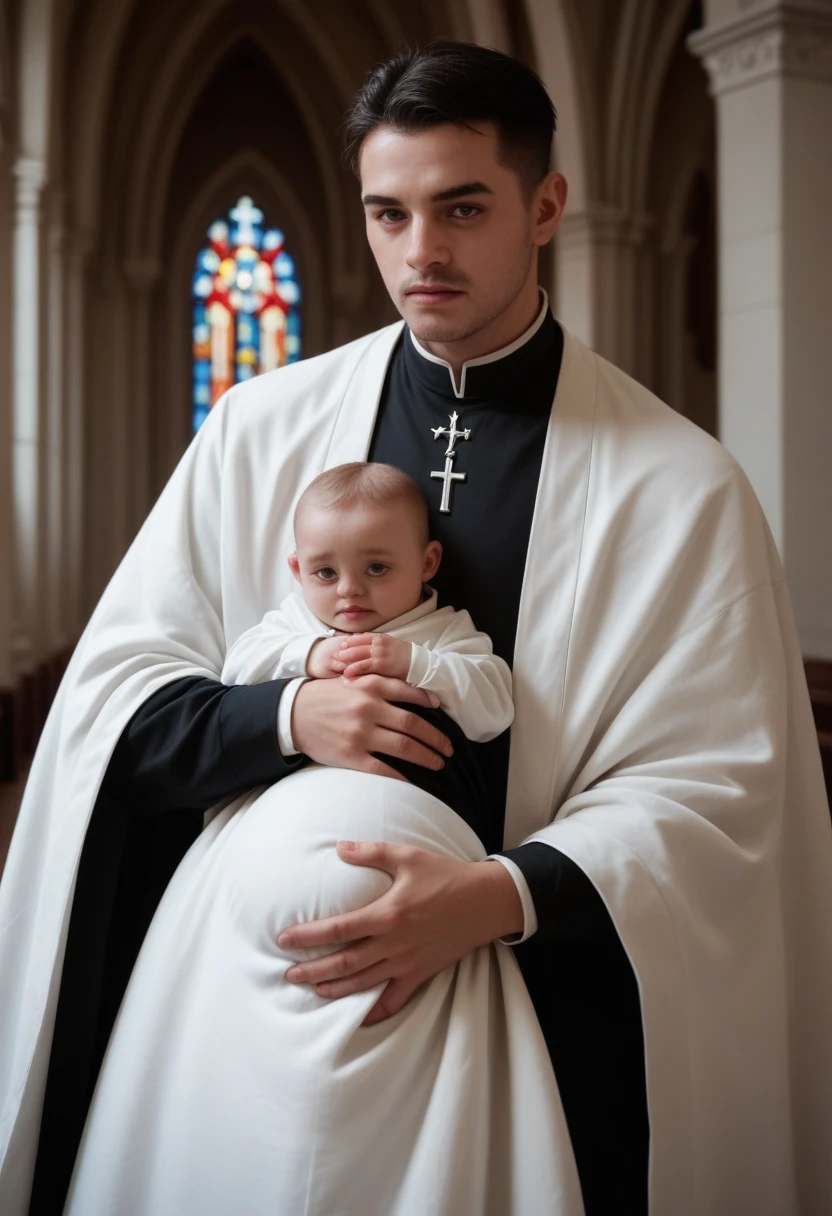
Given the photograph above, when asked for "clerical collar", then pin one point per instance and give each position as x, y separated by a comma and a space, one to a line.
491, 375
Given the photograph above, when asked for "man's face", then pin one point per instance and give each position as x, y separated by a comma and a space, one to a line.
451, 229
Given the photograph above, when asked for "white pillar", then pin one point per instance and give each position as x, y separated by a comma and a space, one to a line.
55, 581
6, 431
26, 426
142, 274
75, 415
598, 280
771, 74
116, 406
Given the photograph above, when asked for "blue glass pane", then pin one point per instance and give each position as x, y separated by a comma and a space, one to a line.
244, 264
289, 291
208, 260
272, 239
203, 285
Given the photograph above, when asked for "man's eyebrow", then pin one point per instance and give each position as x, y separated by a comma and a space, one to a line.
444, 196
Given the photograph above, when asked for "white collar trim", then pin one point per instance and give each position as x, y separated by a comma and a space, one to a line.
502, 353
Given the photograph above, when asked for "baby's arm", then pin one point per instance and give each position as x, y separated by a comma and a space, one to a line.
272, 650
472, 683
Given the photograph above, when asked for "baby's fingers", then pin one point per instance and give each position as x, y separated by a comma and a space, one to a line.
355, 654
351, 640
364, 667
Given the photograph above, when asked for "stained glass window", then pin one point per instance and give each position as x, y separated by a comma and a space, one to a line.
245, 305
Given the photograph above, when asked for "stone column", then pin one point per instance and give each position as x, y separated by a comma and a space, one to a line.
75, 395
28, 638
598, 280
770, 66
55, 571
6, 434
141, 274
113, 415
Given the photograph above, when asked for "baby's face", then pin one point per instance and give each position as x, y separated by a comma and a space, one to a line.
360, 566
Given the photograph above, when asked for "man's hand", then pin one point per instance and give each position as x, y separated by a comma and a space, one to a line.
437, 911
322, 661
366, 653
340, 723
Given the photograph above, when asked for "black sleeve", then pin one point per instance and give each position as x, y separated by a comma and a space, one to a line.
191, 745
196, 742
567, 904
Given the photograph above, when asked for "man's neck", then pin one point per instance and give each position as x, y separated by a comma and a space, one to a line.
502, 331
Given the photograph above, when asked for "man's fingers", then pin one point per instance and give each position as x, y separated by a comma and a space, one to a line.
351, 928
403, 747
412, 726
392, 689
379, 973
379, 769
353, 960
332, 931
397, 993
376, 853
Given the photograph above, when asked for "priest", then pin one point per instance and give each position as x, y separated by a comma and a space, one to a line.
657, 823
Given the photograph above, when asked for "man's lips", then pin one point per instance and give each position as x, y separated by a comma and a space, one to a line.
432, 295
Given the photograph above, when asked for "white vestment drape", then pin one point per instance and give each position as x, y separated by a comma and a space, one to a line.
662, 739
226, 1089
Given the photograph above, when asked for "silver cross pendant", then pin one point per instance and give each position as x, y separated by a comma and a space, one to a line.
447, 475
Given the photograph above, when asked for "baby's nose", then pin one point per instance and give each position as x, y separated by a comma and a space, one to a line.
349, 584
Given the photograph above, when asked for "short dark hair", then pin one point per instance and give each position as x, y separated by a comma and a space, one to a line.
459, 83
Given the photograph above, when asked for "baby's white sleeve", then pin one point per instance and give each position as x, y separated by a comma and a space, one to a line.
271, 650
472, 683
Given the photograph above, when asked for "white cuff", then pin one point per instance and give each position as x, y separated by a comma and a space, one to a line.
294, 657
284, 718
419, 663
529, 914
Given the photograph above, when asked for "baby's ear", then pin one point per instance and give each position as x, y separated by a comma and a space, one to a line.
294, 565
431, 560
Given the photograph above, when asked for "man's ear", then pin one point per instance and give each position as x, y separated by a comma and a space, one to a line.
294, 565
431, 560
548, 207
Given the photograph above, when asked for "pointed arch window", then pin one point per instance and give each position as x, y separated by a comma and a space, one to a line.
245, 295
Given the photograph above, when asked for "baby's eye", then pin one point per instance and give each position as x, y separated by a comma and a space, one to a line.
377, 568
326, 574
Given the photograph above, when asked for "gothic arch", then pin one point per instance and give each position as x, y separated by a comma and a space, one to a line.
246, 172
156, 155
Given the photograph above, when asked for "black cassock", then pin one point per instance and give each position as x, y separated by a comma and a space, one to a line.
196, 742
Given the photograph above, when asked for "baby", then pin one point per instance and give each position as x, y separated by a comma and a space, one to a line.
364, 561
213, 1041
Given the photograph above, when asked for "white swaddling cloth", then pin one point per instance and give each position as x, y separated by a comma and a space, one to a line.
227, 1090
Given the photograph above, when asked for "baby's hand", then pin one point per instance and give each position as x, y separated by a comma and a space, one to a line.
321, 661
377, 653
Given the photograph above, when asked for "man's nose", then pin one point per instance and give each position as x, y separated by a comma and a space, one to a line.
426, 247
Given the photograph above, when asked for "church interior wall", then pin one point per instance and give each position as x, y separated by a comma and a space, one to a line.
145, 121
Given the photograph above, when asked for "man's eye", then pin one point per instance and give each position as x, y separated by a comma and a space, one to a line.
326, 574
377, 568
390, 215
464, 211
